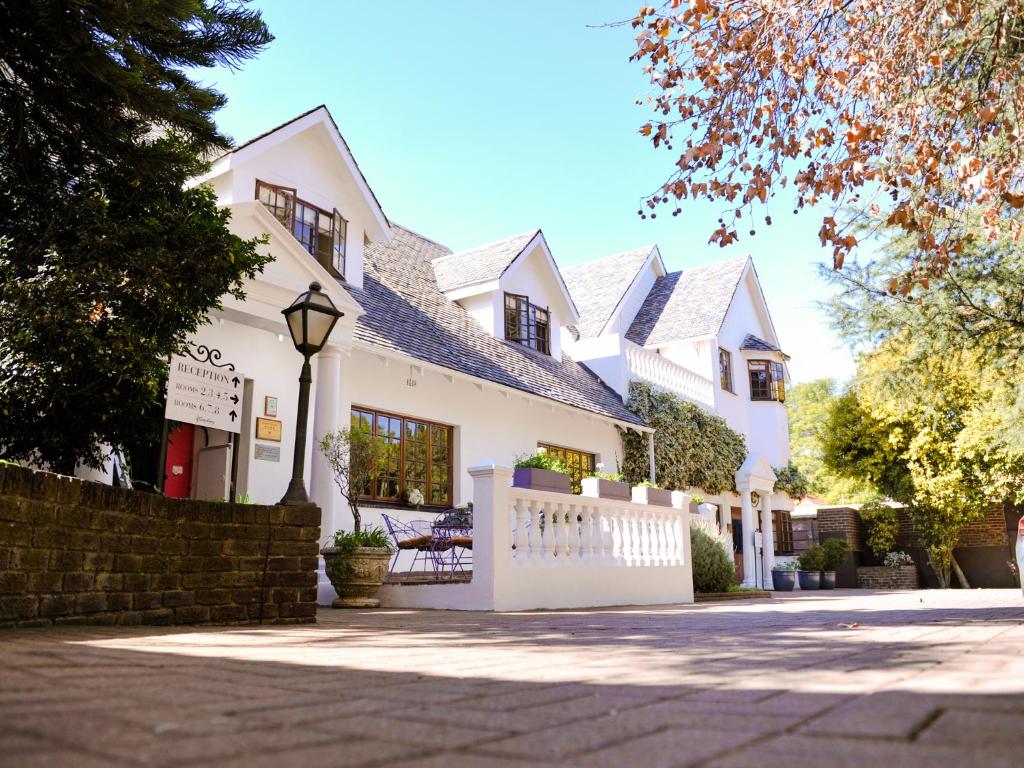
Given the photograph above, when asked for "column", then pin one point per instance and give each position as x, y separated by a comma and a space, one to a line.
322, 490
650, 456
493, 587
768, 537
749, 554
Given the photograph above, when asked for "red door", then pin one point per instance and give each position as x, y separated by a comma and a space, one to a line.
178, 467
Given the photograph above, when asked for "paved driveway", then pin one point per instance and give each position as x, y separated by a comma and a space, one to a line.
927, 678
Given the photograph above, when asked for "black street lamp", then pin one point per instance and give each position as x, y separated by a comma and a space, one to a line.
311, 318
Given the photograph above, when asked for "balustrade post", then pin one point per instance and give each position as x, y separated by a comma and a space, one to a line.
535, 514
492, 532
586, 533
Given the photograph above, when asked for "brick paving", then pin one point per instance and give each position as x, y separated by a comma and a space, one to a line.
927, 679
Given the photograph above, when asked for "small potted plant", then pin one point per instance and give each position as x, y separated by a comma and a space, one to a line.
541, 472
695, 501
356, 561
809, 567
649, 493
784, 576
834, 552
605, 485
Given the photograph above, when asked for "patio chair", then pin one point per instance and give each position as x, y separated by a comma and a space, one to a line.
418, 537
455, 527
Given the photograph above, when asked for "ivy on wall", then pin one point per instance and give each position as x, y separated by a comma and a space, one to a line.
789, 479
692, 448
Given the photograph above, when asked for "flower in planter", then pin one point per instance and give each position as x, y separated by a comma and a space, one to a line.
897, 559
416, 497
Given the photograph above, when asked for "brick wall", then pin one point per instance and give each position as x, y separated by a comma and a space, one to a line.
79, 552
841, 523
880, 577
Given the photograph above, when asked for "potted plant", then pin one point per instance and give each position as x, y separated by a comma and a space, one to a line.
809, 567
356, 561
784, 576
541, 472
649, 493
834, 552
695, 501
605, 485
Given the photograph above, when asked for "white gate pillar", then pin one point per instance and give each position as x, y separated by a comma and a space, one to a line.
749, 553
323, 492
767, 538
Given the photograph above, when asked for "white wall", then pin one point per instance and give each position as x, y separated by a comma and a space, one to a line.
765, 424
630, 304
489, 426
273, 366
309, 163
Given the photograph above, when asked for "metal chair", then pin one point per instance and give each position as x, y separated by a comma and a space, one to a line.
416, 536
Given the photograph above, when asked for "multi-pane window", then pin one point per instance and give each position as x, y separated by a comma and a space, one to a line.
527, 324
782, 523
578, 464
725, 369
416, 455
322, 233
767, 380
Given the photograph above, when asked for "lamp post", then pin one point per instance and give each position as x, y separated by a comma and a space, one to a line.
311, 318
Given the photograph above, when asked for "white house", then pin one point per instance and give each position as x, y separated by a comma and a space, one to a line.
706, 335
459, 361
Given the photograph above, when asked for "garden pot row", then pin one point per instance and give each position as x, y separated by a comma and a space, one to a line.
558, 482
785, 581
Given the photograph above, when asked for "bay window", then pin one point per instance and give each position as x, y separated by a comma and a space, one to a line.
417, 455
767, 380
321, 233
527, 324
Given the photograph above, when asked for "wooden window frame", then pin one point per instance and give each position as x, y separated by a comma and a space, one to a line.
514, 327
326, 260
576, 483
403, 418
775, 381
782, 524
725, 379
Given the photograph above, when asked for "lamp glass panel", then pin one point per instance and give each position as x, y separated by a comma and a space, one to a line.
295, 326
318, 326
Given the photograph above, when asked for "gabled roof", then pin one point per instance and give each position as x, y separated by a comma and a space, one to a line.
756, 344
480, 264
684, 305
322, 113
598, 286
406, 311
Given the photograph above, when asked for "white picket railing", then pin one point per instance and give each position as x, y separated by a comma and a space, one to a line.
536, 549
663, 373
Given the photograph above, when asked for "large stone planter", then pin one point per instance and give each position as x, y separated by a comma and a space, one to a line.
809, 580
541, 480
599, 488
659, 497
356, 577
783, 581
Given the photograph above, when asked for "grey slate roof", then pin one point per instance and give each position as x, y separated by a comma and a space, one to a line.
407, 311
598, 286
752, 342
480, 263
682, 305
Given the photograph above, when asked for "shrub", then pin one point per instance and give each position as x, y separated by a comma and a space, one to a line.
896, 559
790, 480
350, 541
834, 552
540, 460
812, 560
713, 569
883, 524
786, 566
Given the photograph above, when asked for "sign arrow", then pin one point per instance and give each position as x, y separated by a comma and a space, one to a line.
234, 399
233, 415
235, 381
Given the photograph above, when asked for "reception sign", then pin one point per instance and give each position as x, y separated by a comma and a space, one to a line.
204, 394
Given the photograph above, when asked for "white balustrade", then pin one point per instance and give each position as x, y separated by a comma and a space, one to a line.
667, 375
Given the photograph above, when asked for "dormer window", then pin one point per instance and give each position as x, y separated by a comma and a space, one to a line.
320, 232
767, 380
527, 324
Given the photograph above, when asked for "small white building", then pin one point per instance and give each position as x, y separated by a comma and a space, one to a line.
455, 359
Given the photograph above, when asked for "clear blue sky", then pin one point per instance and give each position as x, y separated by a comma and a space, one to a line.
476, 121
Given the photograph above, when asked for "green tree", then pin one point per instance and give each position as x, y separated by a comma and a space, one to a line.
808, 405
109, 259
